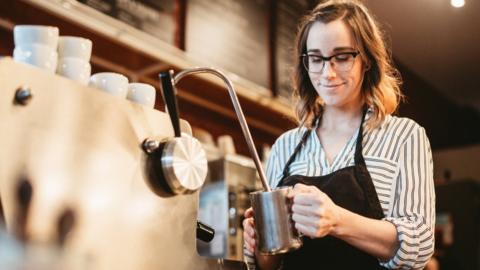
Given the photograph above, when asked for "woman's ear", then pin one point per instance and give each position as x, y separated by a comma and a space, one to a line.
367, 67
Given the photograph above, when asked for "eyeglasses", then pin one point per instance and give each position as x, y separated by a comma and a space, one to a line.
315, 63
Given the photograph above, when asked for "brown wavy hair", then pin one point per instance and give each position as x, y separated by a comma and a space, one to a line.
381, 82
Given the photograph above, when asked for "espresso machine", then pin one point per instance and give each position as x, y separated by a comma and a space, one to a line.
91, 181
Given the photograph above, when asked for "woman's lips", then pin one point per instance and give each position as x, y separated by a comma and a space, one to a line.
331, 85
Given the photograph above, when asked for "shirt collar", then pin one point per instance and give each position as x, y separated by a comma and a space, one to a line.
367, 116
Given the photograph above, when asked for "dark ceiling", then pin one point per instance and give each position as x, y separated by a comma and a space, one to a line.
436, 41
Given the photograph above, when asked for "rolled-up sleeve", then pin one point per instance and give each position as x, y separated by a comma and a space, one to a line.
413, 212
249, 259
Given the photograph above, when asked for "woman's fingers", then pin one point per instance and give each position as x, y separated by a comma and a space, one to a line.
248, 226
298, 189
305, 220
305, 230
312, 227
248, 213
307, 209
248, 243
316, 198
249, 234
301, 189
313, 213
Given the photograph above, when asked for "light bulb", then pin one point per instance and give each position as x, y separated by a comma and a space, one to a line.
457, 3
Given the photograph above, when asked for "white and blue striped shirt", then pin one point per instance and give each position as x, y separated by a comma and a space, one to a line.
399, 160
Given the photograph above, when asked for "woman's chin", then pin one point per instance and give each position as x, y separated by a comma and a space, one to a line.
331, 103
331, 99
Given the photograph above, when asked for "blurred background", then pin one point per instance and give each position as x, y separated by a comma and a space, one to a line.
434, 43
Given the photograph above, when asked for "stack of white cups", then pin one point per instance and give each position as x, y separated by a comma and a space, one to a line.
74, 58
117, 85
36, 45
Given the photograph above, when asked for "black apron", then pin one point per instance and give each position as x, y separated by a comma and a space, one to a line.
351, 188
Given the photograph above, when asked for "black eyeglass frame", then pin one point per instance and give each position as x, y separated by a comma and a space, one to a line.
326, 59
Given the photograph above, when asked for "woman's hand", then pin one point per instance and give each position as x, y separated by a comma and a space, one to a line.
250, 241
314, 213
249, 238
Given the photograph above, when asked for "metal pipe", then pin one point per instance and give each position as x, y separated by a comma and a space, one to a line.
238, 111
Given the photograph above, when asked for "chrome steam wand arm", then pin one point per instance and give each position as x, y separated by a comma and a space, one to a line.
238, 111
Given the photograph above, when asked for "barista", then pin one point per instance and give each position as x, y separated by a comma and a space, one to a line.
363, 194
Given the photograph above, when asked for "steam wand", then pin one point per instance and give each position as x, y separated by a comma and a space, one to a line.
238, 110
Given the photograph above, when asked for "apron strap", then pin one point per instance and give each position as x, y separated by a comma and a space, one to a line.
295, 152
358, 147
363, 176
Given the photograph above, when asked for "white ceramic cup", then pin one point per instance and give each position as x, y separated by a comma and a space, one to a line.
29, 34
75, 69
225, 144
38, 55
77, 47
142, 93
113, 83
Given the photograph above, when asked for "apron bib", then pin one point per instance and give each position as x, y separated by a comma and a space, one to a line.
351, 188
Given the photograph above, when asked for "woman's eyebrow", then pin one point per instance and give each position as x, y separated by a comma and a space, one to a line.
343, 49
337, 49
313, 50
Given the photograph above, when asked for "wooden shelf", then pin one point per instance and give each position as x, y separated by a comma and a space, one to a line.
118, 47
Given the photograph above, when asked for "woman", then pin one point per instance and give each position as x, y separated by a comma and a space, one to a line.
363, 194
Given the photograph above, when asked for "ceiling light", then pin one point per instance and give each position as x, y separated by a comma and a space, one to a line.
457, 3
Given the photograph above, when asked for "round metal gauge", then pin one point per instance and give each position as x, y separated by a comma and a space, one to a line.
184, 164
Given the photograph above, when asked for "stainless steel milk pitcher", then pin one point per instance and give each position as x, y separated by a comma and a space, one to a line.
274, 226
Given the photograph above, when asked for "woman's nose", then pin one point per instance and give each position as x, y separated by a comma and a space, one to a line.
328, 70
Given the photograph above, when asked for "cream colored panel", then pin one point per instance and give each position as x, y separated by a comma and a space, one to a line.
80, 148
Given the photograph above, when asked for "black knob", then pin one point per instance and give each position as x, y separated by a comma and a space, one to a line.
23, 95
205, 232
